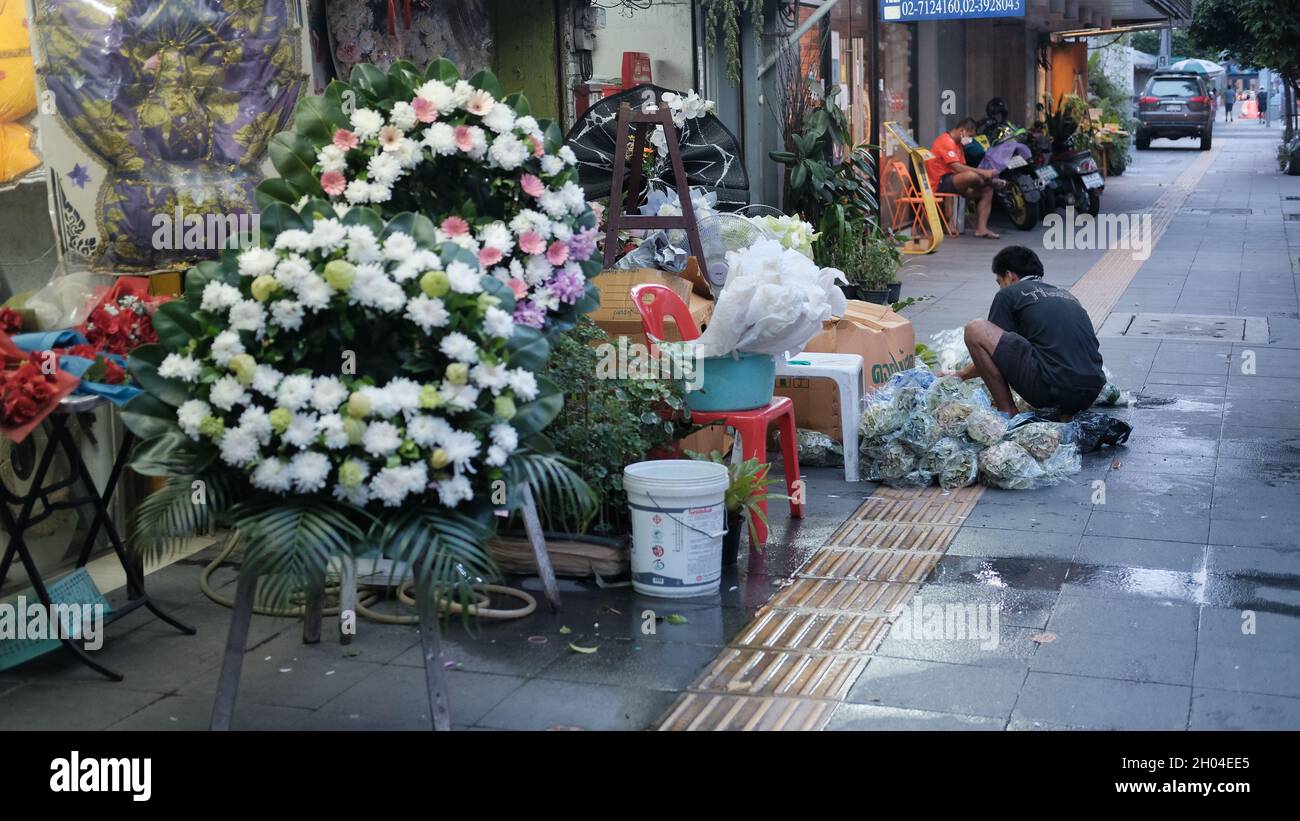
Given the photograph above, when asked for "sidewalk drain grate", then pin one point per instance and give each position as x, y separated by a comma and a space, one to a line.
1187, 327
1205, 212
1292, 217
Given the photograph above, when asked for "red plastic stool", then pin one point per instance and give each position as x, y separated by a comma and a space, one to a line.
655, 303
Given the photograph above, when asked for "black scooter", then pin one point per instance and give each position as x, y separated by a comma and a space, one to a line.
1078, 181
1021, 197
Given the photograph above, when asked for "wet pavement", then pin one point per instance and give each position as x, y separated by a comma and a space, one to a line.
1171, 601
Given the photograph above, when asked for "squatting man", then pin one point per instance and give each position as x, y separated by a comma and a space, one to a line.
1038, 341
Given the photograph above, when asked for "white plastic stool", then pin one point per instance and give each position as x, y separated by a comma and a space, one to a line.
846, 370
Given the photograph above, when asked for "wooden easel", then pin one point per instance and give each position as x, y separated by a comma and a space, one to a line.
621, 216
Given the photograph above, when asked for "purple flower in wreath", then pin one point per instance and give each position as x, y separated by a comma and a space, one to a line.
583, 244
567, 285
526, 313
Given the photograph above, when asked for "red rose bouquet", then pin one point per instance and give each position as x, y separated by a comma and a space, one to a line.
123, 318
30, 388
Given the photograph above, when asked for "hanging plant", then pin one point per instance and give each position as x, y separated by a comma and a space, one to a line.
726, 15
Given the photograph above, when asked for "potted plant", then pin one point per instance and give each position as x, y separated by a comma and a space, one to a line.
883, 258
746, 492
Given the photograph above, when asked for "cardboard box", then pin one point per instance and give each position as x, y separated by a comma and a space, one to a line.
885, 341
617, 315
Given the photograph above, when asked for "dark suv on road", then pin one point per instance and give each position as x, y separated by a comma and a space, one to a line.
1175, 105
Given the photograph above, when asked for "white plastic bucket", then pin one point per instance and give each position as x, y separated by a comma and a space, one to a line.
678, 520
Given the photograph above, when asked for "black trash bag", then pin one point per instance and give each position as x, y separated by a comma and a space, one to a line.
1089, 430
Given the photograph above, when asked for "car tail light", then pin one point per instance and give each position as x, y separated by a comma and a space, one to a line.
1145, 100
1199, 99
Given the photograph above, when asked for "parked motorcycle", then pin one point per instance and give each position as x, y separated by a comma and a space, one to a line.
1004, 148
1077, 179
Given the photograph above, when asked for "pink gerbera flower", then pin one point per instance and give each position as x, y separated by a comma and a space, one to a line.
558, 253
519, 287
479, 103
489, 256
455, 226
531, 242
538, 150
333, 182
345, 140
532, 186
425, 111
390, 136
464, 138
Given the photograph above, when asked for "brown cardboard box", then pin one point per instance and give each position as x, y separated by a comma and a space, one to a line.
885, 341
617, 315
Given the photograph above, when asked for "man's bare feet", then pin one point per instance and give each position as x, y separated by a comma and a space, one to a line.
988, 235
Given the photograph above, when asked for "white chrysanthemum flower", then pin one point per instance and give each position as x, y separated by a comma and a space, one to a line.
537, 270
544, 299
438, 93
402, 115
567, 155
390, 486
291, 271
496, 457
273, 475
331, 158
191, 414
428, 313
552, 202
461, 92
330, 427
301, 432
524, 384
247, 315
226, 393
381, 438
357, 192
366, 123
458, 397
462, 447
508, 151
294, 239
407, 152
500, 119
310, 471
414, 265
561, 231
257, 261
463, 279
225, 346
529, 125
295, 391
358, 495
287, 313
328, 234
256, 421
426, 431
441, 139
328, 393
266, 380
178, 366
218, 296
315, 293
496, 235
404, 394
489, 377
398, 246
384, 169
362, 245
238, 447
575, 199
452, 492
376, 290
459, 347
504, 436
498, 323
552, 165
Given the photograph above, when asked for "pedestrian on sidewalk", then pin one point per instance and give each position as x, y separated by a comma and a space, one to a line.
1229, 100
1261, 99
1038, 340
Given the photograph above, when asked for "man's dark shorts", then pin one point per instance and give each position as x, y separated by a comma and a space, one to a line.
1025, 372
945, 185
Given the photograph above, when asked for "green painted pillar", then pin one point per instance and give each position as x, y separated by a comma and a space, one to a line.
527, 51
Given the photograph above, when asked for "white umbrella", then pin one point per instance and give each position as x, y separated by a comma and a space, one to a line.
1198, 65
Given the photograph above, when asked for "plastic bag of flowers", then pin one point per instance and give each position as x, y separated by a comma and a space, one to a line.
893, 460
919, 430
947, 389
986, 427
910, 399
912, 479
961, 470
1008, 466
880, 418
951, 418
1041, 439
1111, 393
940, 453
816, 449
950, 349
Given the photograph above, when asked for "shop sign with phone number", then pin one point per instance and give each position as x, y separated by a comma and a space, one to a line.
898, 11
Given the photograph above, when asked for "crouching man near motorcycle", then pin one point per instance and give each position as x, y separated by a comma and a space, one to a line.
949, 174
1038, 340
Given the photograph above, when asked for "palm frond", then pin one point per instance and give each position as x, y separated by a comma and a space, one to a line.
289, 542
445, 552
564, 500
185, 506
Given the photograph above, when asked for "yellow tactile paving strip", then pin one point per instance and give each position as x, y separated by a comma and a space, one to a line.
796, 661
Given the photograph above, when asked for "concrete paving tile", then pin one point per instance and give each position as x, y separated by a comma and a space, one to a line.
1249, 630
189, 713
1131, 658
938, 687
1252, 532
1248, 670
1229, 710
1011, 653
858, 717
1014, 606
1278, 413
1204, 379
1141, 553
1156, 492
989, 542
653, 664
542, 703
1170, 526
398, 695
1258, 563
82, 705
1104, 704
1114, 616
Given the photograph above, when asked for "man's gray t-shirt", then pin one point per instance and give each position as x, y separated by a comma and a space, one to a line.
1059, 329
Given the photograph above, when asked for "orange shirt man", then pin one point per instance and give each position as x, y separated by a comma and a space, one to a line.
949, 174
